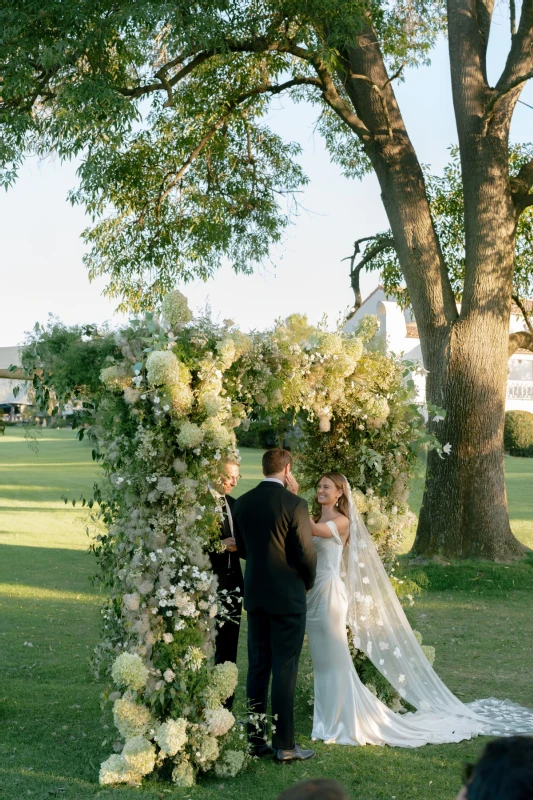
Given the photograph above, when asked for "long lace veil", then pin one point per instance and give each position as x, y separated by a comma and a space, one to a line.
380, 629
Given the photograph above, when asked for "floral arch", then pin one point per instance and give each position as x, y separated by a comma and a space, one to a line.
172, 393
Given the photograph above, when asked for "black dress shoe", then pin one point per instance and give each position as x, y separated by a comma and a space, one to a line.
296, 754
262, 750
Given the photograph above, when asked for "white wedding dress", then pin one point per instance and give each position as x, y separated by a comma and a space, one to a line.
354, 590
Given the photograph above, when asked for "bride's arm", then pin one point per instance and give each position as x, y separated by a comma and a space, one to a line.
323, 530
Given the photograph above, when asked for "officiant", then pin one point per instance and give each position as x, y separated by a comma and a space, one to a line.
227, 567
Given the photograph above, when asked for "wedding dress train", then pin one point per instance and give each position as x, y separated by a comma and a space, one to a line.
352, 588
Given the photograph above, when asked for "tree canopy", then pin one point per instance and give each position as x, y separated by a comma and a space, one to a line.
166, 104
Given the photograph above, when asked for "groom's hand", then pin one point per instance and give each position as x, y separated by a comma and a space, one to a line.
292, 483
229, 544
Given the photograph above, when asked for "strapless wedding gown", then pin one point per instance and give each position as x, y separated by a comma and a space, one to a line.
345, 711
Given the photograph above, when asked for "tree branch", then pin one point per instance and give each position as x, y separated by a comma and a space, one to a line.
522, 340
512, 14
525, 312
519, 65
383, 243
231, 106
380, 94
499, 94
521, 186
468, 33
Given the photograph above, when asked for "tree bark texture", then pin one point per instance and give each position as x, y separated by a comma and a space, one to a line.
464, 513
464, 510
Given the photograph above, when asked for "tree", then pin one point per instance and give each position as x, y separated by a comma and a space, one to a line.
166, 102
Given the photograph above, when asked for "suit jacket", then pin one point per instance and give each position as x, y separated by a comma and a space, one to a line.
273, 533
227, 566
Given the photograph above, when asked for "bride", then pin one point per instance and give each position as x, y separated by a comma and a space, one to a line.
352, 589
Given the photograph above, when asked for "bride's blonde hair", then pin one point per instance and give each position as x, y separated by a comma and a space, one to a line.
343, 504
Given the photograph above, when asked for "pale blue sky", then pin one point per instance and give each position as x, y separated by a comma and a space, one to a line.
42, 270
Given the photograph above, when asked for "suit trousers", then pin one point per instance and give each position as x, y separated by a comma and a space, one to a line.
274, 646
227, 641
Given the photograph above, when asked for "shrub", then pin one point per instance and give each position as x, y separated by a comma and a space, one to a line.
518, 433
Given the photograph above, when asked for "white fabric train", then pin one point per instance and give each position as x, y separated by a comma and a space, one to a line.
352, 588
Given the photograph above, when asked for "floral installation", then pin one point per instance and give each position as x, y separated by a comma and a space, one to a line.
173, 390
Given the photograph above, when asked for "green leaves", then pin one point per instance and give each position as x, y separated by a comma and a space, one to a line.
167, 102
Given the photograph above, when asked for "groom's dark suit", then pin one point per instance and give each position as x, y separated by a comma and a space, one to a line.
273, 533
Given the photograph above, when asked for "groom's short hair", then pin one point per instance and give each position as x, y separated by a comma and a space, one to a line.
275, 460
319, 789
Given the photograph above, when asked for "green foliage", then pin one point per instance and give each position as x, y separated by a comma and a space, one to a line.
69, 357
445, 194
166, 105
518, 433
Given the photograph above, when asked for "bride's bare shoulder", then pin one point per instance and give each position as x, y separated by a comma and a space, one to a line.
342, 523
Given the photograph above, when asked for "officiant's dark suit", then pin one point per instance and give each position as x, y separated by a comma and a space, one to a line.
227, 567
273, 533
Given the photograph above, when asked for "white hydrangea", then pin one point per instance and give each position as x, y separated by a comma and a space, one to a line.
129, 670
175, 308
169, 675
139, 754
207, 751
171, 735
131, 395
376, 522
219, 721
429, 652
227, 352
115, 377
117, 770
181, 398
217, 434
131, 601
166, 486
360, 501
230, 764
224, 679
164, 369
190, 435
379, 408
131, 719
211, 403
183, 774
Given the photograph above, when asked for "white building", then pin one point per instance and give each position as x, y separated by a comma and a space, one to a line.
11, 403
400, 333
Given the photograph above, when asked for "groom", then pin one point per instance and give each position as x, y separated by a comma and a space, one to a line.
273, 533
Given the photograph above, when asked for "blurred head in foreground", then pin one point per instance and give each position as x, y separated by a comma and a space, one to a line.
504, 771
319, 789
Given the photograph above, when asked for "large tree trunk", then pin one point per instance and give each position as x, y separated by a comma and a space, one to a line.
464, 510
465, 507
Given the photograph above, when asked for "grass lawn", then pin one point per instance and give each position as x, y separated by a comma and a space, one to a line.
53, 734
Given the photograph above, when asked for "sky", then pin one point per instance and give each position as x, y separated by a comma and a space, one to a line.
41, 267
